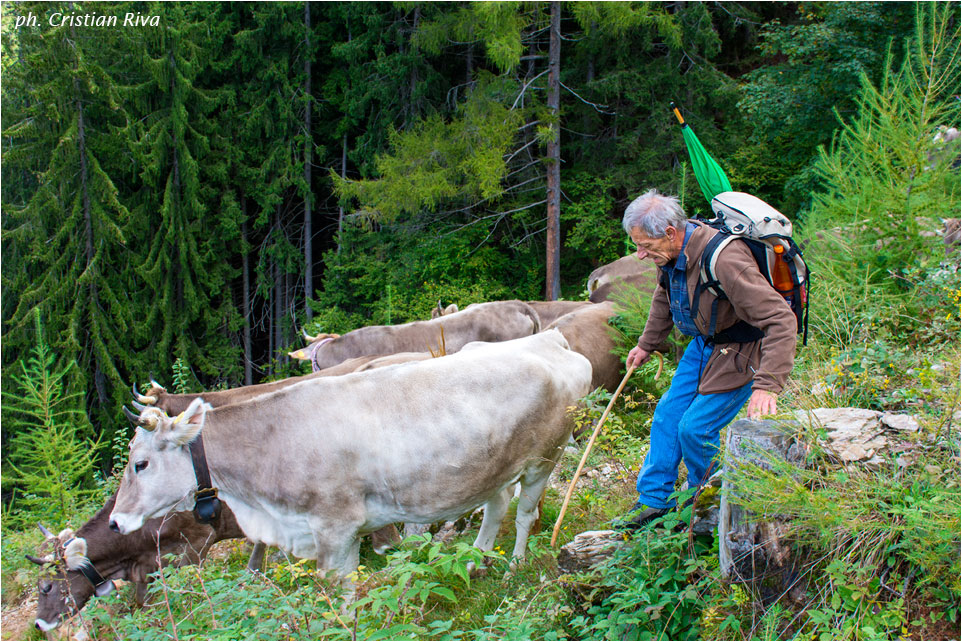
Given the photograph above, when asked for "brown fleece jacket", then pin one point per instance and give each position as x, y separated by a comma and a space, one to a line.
768, 361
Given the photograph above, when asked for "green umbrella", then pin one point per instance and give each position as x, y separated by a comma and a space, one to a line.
709, 174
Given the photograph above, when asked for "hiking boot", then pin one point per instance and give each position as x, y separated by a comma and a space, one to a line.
638, 518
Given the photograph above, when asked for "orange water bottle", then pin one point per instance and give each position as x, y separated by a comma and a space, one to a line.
782, 276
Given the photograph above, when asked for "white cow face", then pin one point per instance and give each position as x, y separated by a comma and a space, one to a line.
159, 476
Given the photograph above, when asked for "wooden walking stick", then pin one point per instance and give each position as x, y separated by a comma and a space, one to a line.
591, 442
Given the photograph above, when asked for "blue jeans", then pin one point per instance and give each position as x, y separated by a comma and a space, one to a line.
686, 426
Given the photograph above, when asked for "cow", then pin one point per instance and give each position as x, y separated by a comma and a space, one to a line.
610, 281
493, 321
174, 404
547, 311
132, 557
312, 466
440, 312
587, 332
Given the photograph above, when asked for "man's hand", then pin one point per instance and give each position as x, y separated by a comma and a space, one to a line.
761, 403
636, 357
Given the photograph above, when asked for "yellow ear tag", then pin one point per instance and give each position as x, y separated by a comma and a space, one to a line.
299, 354
178, 418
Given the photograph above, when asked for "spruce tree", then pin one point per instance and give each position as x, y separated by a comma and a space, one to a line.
64, 220
187, 308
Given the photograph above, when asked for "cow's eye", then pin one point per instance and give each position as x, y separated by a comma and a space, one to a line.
140, 465
45, 588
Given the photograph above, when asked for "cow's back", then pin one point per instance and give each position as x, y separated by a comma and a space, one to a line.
416, 442
588, 333
493, 322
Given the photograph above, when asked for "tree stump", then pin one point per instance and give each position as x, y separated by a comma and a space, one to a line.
747, 547
588, 549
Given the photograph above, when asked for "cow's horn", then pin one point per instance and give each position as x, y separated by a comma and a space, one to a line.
147, 399
40, 561
156, 385
134, 419
149, 423
45, 532
139, 407
309, 338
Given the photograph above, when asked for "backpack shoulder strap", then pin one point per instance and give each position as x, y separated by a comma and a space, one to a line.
706, 273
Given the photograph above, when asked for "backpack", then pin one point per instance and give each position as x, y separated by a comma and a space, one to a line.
763, 228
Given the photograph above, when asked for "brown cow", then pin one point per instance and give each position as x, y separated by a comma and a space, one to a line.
608, 282
130, 557
588, 333
174, 404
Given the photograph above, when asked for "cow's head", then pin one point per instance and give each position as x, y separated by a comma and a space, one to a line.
159, 476
62, 587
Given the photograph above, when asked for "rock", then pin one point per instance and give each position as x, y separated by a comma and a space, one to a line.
906, 423
858, 434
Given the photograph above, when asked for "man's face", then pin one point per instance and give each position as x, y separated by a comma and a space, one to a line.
662, 250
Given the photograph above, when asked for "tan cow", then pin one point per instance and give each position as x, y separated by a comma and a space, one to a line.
608, 282
547, 311
588, 333
312, 466
490, 322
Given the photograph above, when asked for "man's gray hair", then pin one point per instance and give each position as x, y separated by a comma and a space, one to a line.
654, 213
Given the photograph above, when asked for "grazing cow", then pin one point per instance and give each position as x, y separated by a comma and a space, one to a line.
440, 312
609, 281
494, 321
114, 556
310, 467
550, 311
588, 333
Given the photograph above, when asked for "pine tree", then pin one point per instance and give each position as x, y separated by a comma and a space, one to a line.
50, 453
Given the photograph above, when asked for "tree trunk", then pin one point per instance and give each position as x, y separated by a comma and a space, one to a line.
340, 208
99, 383
308, 144
245, 267
553, 261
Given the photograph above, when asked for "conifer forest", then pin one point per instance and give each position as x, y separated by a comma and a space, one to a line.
188, 188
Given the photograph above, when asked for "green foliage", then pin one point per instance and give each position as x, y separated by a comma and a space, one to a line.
651, 589
291, 602
50, 457
815, 63
437, 162
181, 376
879, 180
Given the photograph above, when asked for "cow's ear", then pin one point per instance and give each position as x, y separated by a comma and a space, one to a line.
185, 428
75, 553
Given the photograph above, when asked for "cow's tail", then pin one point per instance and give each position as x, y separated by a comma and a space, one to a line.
535, 320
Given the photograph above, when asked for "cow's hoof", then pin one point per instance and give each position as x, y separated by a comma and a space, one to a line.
474, 571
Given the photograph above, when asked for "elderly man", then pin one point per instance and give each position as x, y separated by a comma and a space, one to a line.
748, 356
